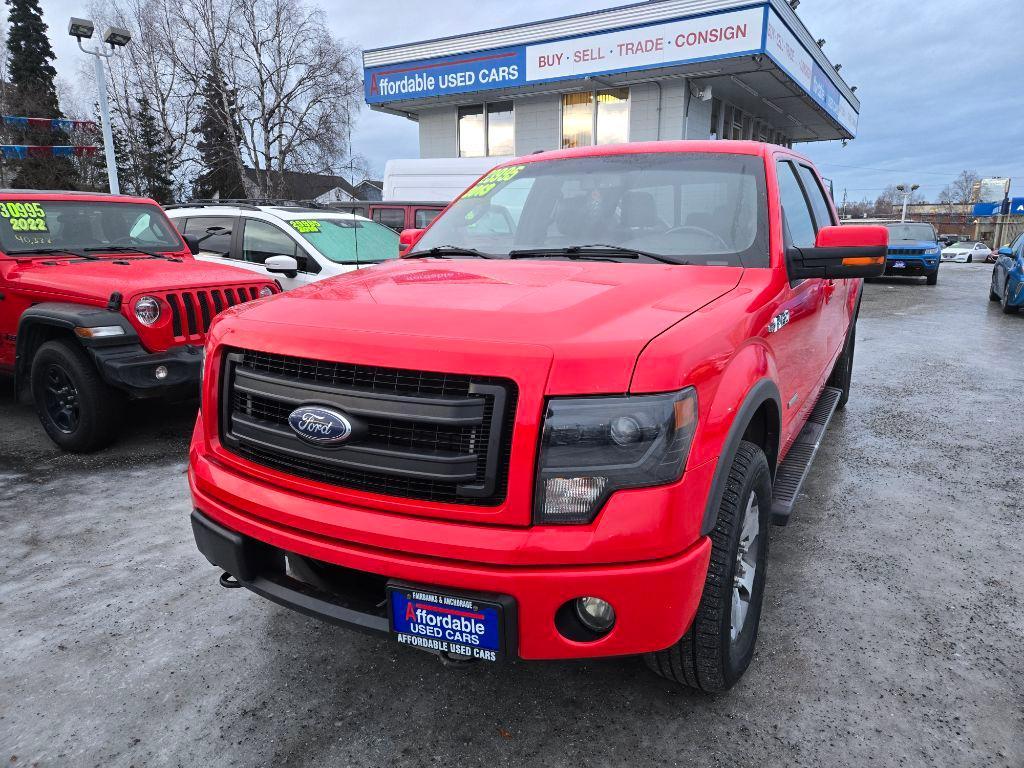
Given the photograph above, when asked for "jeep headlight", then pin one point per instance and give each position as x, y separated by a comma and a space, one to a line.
932, 251
147, 310
593, 446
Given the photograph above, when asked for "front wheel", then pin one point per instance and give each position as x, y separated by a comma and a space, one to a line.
79, 412
970, 259
992, 294
842, 373
717, 649
1008, 309
933, 278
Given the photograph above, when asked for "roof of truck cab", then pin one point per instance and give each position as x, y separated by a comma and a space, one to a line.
718, 147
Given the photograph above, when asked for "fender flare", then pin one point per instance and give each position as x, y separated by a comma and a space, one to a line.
66, 317
763, 391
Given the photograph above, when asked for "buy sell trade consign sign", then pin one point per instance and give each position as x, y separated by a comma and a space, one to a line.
749, 31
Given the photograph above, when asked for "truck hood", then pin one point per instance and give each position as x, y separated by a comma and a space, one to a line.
590, 319
94, 281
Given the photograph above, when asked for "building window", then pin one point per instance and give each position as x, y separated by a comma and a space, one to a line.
486, 129
600, 114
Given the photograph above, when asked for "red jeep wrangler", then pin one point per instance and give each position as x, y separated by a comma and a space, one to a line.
101, 300
560, 427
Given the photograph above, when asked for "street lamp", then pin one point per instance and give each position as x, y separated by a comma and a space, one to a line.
907, 190
115, 37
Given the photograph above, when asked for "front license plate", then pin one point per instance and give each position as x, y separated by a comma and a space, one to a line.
438, 622
899, 265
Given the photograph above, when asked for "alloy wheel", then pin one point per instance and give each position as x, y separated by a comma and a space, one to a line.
747, 553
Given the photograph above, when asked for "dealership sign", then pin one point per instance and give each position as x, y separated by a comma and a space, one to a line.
756, 30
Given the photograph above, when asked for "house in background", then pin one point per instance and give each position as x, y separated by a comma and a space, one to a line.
322, 188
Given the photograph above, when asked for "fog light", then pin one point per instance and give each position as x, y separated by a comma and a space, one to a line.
160, 372
596, 615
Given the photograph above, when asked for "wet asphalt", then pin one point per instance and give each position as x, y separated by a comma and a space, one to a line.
893, 632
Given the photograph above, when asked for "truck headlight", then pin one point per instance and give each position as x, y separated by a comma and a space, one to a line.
147, 310
593, 446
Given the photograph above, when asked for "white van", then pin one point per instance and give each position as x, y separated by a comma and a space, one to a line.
434, 179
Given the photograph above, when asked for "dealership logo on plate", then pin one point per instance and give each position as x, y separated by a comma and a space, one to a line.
320, 426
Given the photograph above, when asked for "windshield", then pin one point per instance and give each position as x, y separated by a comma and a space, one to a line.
29, 224
348, 241
911, 232
699, 208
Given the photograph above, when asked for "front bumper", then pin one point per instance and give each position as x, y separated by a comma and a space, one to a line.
655, 601
913, 266
132, 369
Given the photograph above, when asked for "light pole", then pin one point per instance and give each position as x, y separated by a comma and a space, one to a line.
907, 190
82, 29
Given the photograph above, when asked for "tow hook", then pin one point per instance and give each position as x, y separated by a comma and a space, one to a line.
229, 582
455, 660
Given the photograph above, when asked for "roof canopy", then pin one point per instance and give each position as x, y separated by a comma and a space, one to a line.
758, 55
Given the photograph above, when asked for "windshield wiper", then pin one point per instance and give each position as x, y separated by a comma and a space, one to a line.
129, 249
448, 250
54, 251
597, 250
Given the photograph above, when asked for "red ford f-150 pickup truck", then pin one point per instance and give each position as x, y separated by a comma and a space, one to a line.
101, 301
560, 427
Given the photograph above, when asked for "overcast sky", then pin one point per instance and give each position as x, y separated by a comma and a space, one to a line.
939, 81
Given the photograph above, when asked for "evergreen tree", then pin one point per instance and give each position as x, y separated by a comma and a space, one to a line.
154, 162
220, 177
35, 95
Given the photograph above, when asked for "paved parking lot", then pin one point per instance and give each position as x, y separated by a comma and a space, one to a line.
892, 635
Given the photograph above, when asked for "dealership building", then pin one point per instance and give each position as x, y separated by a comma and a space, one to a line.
659, 70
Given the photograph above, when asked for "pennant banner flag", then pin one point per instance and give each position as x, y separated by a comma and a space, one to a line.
48, 124
25, 151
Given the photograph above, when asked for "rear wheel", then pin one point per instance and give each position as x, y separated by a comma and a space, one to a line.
718, 647
78, 410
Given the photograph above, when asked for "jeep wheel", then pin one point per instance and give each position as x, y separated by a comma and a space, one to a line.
78, 410
933, 278
716, 650
1004, 302
842, 373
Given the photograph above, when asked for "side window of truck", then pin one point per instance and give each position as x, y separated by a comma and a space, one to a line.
796, 215
819, 203
390, 217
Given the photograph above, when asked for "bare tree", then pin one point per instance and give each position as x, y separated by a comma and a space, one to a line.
962, 190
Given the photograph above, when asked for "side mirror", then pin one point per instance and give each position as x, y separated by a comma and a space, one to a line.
408, 239
1006, 251
282, 265
840, 253
192, 242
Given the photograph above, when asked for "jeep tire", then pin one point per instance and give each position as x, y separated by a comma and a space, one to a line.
78, 410
933, 278
716, 650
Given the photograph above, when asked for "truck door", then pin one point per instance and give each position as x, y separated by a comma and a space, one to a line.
797, 335
835, 293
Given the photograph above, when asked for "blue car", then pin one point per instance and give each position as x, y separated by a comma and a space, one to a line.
913, 251
1008, 277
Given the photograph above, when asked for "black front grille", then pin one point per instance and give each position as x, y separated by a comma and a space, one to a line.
906, 251
419, 434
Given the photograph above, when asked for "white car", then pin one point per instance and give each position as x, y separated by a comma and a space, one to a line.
966, 252
295, 244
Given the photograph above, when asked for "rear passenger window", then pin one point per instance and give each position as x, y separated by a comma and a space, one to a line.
796, 216
262, 240
213, 232
819, 204
390, 217
424, 216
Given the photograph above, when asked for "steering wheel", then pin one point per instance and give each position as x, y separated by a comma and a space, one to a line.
700, 230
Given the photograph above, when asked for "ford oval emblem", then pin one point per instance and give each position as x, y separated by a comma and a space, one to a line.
320, 426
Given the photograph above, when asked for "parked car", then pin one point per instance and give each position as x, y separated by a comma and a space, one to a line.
947, 240
101, 301
560, 427
294, 244
396, 214
1008, 277
913, 251
967, 252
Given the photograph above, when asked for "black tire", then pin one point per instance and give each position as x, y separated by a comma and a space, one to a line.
1004, 301
842, 373
933, 278
707, 658
970, 259
992, 295
79, 412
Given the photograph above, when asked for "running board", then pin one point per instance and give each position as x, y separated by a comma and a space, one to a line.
790, 476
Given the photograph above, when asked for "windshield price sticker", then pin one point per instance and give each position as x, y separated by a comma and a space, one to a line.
446, 623
487, 184
24, 217
305, 226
